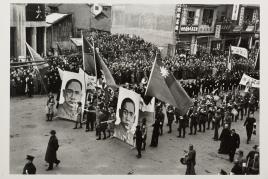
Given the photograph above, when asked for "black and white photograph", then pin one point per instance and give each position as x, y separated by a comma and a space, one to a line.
121, 88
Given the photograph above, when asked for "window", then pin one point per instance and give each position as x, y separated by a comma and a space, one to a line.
207, 17
190, 17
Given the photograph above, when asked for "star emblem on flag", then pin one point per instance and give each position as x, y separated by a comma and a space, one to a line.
164, 71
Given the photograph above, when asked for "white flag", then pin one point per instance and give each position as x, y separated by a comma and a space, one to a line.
239, 51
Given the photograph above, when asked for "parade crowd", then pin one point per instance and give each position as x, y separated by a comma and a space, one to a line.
215, 90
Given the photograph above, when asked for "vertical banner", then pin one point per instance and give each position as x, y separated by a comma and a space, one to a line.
72, 92
178, 18
184, 16
241, 17
127, 115
196, 18
250, 43
217, 31
235, 11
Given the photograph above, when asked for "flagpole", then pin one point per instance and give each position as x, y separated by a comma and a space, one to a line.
151, 73
41, 79
84, 68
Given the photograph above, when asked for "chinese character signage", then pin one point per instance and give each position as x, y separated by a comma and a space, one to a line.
217, 31
178, 16
35, 12
235, 11
186, 28
241, 18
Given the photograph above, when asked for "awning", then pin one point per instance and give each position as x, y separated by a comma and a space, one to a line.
77, 41
237, 28
250, 28
54, 18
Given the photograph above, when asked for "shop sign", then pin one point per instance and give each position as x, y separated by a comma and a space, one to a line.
250, 28
186, 28
237, 28
217, 31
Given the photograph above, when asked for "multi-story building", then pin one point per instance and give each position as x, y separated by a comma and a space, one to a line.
86, 16
27, 24
208, 27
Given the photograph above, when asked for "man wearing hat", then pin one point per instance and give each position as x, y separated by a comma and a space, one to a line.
29, 167
51, 153
249, 123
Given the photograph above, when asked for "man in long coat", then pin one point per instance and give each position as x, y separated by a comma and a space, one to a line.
249, 123
190, 161
224, 138
51, 153
156, 125
234, 143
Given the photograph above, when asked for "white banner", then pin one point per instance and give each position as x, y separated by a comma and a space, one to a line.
249, 81
72, 92
89, 80
239, 51
148, 108
127, 115
235, 11
241, 17
217, 31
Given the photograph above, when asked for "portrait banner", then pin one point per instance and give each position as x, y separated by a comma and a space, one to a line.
249, 82
72, 92
127, 115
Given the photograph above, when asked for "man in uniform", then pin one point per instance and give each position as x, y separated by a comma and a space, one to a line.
170, 116
29, 167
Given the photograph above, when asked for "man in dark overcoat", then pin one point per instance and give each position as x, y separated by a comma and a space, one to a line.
138, 137
234, 144
51, 153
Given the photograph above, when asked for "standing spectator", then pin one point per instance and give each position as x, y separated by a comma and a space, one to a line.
234, 144
182, 125
217, 120
51, 153
91, 117
29, 167
156, 125
50, 106
190, 161
249, 123
78, 115
224, 138
170, 116
144, 133
193, 120
252, 167
138, 137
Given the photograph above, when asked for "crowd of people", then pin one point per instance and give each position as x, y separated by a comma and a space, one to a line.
205, 77
130, 59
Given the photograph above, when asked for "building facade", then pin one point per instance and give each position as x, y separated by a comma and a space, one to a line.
59, 31
27, 24
86, 16
210, 27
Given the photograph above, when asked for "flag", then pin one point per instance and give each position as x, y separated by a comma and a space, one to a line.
59, 49
257, 61
163, 85
239, 51
88, 57
101, 68
239, 41
250, 43
229, 62
42, 69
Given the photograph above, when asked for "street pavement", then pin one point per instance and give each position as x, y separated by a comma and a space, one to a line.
81, 153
